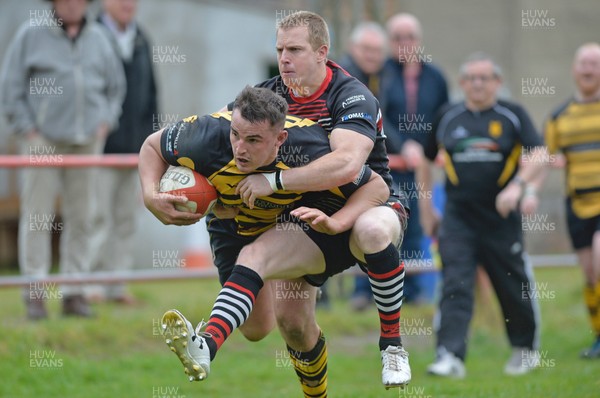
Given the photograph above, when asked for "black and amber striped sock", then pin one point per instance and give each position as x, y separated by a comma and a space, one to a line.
232, 306
387, 284
594, 309
311, 368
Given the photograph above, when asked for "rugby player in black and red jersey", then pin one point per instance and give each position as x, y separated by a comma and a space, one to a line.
225, 147
320, 90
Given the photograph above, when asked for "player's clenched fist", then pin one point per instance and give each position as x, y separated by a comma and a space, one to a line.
252, 187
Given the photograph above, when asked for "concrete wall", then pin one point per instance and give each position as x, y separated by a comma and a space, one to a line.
217, 47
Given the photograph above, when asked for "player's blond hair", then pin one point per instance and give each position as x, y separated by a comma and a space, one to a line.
318, 32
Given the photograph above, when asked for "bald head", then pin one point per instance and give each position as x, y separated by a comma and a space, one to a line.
404, 32
586, 70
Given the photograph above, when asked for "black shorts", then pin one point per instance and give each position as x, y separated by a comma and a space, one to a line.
336, 248
225, 244
581, 230
336, 251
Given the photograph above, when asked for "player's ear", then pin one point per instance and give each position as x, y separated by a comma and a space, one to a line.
281, 137
322, 53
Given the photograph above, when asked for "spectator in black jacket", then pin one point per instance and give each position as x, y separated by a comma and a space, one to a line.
412, 93
118, 192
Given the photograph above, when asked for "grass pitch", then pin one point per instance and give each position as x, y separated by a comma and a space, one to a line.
121, 354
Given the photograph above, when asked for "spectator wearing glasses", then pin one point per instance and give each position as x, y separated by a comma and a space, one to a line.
483, 139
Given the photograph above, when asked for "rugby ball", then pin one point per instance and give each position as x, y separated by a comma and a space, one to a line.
182, 181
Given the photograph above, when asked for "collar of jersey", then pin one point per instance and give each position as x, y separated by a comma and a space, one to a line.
319, 92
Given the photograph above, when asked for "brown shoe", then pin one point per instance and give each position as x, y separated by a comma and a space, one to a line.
76, 306
36, 309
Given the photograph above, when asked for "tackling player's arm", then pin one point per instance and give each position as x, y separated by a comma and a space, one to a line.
354, 131
349, 153
373, 193
151, 167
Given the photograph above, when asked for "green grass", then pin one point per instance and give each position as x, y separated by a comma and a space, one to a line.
119, 354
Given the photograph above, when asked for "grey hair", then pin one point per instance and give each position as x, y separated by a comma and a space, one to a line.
477, 57
402, 17
360, 29
257, 105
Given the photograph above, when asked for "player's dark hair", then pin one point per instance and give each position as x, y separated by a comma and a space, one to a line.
259, 104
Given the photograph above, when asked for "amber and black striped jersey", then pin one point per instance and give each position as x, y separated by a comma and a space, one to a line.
574, 129
203, 144
482, 149
340, 102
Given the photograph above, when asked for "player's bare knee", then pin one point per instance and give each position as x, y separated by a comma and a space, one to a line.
373, 235
256, 333
254, 257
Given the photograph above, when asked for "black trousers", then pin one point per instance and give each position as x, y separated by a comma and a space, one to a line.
474, 234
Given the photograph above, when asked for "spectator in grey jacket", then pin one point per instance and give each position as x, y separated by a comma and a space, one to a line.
61, 89
118, 189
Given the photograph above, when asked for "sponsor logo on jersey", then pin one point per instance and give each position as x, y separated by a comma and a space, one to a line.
353, 99
357, 115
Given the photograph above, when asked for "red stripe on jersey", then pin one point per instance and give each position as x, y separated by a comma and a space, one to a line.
316, 94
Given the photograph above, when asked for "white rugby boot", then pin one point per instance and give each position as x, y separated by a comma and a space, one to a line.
189, 345
396, 370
